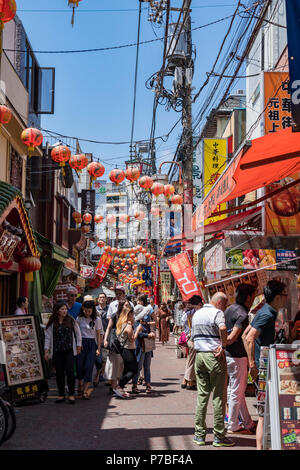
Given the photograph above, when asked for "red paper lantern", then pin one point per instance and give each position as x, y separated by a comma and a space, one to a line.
117, 176
148, 255
157, 189
139, 215
78, 162
116, 260
32, 138
5, 114
101, 244
85, 228
132, 174
124, 218
8, 9
95, 170
177, 200
143, 250
132, 255
152, 257
30, 264
114, 250
107, 249
169, 190
61, 154
111, 219
76, 215
98, 219
146, 182
87, 218
138, 248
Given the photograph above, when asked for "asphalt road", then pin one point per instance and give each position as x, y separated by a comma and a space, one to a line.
163, 420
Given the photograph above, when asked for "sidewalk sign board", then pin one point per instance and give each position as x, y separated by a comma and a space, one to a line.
282, 409
22, 359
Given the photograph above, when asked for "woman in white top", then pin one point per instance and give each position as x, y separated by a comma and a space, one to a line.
92, 332
22, 306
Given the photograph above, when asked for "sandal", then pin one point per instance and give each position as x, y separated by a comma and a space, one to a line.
85, 396
135, 390
148, 389
140, 381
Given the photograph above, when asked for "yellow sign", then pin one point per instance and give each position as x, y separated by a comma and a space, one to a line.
215, 158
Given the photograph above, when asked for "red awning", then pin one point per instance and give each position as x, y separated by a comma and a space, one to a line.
231, 222
270, 158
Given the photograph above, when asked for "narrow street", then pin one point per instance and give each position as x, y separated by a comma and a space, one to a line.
161, 421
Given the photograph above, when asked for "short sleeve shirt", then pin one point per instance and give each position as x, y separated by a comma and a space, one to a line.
236, 316
74, 311
89, 327
264, 322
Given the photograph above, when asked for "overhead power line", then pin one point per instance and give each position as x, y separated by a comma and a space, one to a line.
122, 46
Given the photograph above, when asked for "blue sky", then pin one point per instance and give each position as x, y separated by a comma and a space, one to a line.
94, 91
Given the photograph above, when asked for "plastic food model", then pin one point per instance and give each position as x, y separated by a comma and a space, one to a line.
287, 202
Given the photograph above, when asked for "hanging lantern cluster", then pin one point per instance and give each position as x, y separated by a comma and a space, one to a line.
157, 189
169, 190
101, 244
146, 182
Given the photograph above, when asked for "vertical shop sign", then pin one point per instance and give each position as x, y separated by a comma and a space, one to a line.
101, 270
88, 201
165, 283
183, 273
293, 36
197, 173
277, 102
214, 163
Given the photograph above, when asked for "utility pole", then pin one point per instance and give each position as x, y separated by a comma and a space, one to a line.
187, 134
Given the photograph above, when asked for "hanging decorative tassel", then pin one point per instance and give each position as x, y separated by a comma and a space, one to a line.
73, 17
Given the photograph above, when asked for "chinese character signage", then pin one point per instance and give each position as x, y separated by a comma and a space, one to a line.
88, 201
8, 243
197, 173
288, 366
23, 360
87, 272
101, 270
183, 273
277, 102
165, 283
293, 38
214, 163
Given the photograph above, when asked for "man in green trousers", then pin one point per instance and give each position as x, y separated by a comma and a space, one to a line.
210, 335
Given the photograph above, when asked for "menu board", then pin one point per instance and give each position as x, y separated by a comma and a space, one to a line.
23, 361
288, 367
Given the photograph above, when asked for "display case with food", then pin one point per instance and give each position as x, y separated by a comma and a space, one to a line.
23, 357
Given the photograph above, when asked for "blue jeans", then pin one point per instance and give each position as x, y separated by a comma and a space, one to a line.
145, 360
86, 360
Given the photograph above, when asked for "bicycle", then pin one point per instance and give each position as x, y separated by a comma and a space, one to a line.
8, 420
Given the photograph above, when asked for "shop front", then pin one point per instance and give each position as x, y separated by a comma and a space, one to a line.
19, 253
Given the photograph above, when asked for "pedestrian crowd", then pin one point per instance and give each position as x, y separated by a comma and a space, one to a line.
114, 342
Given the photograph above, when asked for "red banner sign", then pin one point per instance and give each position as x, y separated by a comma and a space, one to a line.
183, 273
101, 270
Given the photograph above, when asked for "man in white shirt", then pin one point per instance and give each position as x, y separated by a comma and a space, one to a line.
209, 334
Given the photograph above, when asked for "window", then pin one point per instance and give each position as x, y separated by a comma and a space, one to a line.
40, 83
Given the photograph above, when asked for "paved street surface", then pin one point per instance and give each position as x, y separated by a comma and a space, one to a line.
161, 421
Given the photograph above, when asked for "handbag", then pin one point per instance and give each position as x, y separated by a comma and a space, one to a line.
149, 344
182, 341
114, 343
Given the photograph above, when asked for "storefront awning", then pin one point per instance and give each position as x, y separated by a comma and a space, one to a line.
230, 222
269, 158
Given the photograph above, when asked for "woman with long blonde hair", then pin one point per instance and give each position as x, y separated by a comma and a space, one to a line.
127, 337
